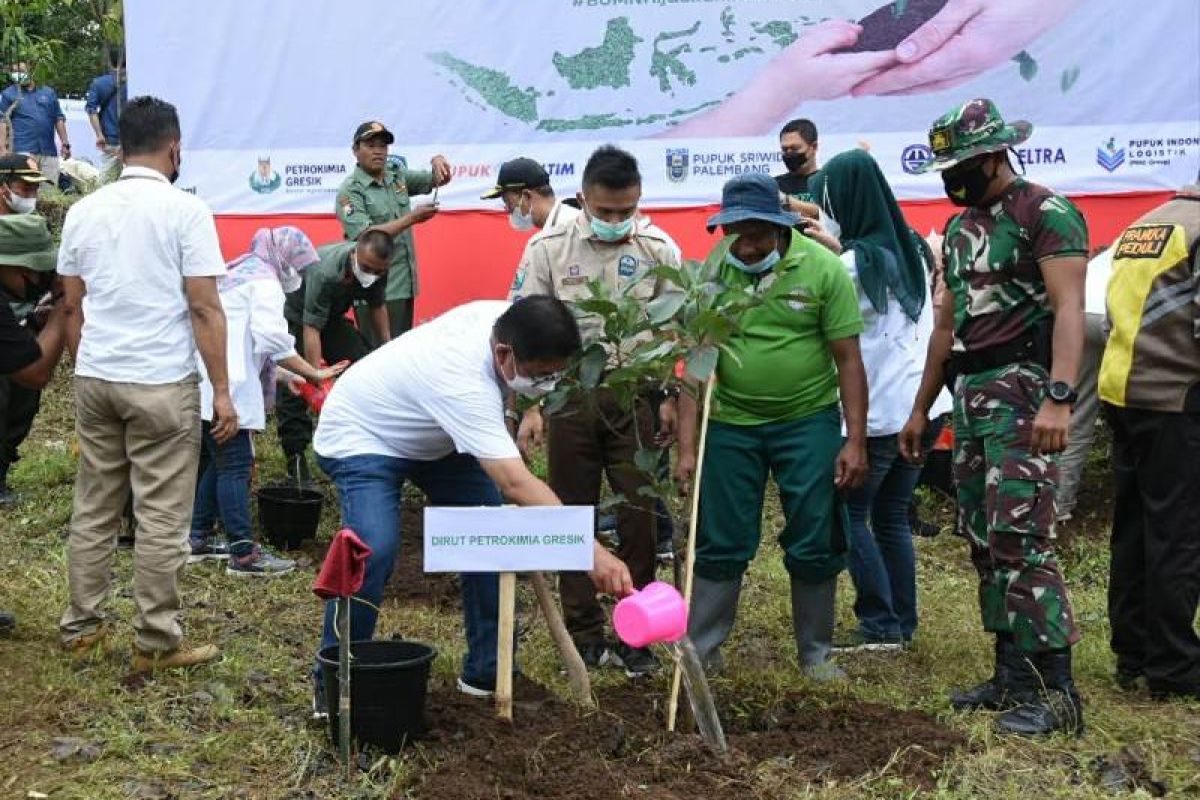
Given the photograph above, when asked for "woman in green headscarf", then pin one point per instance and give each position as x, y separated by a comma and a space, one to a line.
888, 262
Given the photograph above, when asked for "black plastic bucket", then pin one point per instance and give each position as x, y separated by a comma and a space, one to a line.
389, 679
289, 514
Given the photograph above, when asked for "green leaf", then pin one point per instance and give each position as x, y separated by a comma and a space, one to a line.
556, 400
591, 366
665, 306
1029, 67
596, 305
1068, 79
702, 362
649, 491
711, 270
651, 351
669, 274
647, 459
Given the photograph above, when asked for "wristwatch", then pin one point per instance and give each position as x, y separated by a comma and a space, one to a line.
1061, 392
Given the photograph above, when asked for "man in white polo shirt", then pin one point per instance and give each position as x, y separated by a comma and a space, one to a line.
429, 407
139, 260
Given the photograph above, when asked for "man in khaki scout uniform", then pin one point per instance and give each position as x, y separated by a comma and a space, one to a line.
596, 435
377, 195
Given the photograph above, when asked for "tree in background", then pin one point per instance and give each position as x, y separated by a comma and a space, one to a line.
65, 42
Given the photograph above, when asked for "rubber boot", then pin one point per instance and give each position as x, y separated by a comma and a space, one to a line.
1049, 702
814, 606
711, 617
994, 694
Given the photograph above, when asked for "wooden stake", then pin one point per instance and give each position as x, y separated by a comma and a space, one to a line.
577, 674
690, 560
504, 645
342, 621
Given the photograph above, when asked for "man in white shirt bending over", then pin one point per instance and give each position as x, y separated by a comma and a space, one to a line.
429, 407
140, 260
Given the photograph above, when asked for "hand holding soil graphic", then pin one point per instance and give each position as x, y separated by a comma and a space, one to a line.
962, 40
904, 47
810, 69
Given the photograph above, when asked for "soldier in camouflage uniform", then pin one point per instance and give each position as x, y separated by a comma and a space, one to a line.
1010, 346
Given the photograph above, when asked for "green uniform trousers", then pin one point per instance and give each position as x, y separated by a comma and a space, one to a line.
738, 459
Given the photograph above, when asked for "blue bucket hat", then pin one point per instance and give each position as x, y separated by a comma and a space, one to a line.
751, 196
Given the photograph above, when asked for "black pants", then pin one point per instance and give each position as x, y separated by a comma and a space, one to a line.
1154, 586
340, 341
18, 407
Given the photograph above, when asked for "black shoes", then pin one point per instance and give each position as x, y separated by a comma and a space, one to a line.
1047, 699
992, 694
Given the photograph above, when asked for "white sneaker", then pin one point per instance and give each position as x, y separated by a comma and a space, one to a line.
473, 691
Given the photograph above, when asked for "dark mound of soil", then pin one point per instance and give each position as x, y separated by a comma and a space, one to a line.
892, 23
409, 583
621, 750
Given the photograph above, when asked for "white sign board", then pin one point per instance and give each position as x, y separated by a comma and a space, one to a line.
508, 539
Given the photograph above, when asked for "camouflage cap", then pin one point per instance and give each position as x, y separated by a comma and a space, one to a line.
972, 129
25, 241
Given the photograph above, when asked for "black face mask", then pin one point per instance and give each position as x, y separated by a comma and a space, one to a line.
794, 161
967, 184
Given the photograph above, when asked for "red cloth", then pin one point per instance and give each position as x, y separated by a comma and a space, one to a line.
344, 568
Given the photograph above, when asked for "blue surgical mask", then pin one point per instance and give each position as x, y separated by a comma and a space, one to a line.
758, 267
611, 231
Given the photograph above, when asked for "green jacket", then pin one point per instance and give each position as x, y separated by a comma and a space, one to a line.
323, 295
363, 201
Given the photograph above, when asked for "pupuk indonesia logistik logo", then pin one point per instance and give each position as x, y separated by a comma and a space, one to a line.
1110, 156
264, 180
677, 164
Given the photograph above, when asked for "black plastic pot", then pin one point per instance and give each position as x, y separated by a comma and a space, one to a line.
389, 680
289, 514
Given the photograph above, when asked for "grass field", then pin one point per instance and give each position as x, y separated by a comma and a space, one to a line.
240, 728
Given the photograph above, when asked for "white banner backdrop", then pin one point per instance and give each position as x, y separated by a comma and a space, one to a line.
270, 92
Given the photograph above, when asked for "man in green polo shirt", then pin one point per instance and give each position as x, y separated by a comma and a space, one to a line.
377, 195
776, 411
348, 273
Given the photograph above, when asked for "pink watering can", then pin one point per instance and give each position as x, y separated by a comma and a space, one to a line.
654, 615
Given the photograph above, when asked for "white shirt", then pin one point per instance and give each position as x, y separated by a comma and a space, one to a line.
133, 242
1095, 288
256, 332
894, 349
432, 392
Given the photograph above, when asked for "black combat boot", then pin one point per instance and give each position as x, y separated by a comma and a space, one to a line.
993, 694
1048, 701
7, 496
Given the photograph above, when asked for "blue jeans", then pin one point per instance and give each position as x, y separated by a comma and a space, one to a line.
882, 562
371, 490
223, 489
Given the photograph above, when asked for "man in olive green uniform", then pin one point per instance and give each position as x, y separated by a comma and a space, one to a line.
377, 195
348, 273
